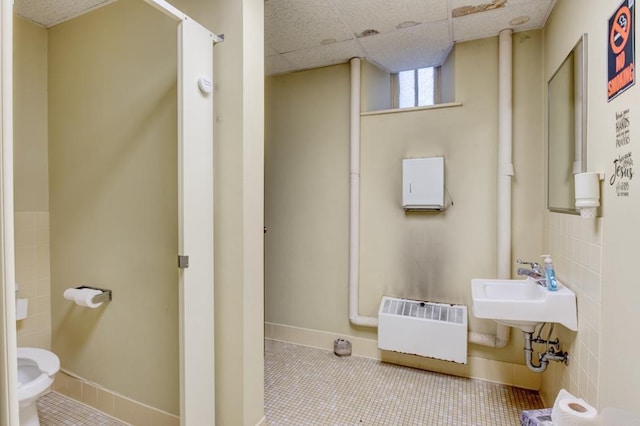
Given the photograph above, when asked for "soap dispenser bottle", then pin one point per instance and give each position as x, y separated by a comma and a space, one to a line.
552, 284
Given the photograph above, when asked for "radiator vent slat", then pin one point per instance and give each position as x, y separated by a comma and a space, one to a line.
430, 329
427, 310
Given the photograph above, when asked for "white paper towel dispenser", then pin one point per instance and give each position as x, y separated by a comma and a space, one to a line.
423, 183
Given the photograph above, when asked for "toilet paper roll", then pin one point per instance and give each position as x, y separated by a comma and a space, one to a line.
22, 307
82, 296
571, 411
70, 293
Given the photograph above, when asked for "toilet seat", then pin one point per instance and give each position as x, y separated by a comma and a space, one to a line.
47, 361
34, 387
36, 370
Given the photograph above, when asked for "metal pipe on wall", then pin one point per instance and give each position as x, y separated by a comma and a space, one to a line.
354, 202
505, 174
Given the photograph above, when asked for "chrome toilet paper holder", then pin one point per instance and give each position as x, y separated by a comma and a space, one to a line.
104, 296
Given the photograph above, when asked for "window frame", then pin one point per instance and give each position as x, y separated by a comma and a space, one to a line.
396, 88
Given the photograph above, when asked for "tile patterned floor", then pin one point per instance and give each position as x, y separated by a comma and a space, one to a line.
307, 386
58, 410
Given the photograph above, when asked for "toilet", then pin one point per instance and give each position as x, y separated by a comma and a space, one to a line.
36, 369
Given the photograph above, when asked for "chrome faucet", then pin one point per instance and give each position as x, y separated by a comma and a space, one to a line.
535, 272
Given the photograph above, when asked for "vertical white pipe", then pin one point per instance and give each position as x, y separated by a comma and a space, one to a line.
505, 167
578, 119
354, 202
505, 173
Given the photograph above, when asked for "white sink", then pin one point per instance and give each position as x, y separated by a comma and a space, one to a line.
523, 303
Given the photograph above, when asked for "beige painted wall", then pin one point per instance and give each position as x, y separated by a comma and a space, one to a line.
607, 346
416, 255
447, 79
307, 198
113, 182
31, 184
375, 91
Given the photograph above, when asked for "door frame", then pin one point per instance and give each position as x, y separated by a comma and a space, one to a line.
8, 350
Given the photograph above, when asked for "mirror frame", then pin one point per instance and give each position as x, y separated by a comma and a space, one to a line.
580, 82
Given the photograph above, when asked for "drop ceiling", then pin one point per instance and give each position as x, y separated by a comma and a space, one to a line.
394, 34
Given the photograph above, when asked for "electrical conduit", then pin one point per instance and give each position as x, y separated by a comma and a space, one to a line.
505, 173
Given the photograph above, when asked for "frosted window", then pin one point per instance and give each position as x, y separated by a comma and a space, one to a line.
425, 86
407, 89
416, 87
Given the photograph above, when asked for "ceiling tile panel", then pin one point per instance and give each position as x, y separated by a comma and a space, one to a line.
292, 25
385, 15
316, 33
421, 46
48, 13
460, 3
269, 51
277, 64
490, 23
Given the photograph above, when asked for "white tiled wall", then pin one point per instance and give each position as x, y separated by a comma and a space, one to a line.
576, 247
33, 276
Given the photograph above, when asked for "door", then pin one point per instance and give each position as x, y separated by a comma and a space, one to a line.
195, 221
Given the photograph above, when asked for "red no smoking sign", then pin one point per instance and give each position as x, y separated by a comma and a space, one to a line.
620, 29
621, 50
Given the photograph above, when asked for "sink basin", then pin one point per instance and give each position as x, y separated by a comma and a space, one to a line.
523, 303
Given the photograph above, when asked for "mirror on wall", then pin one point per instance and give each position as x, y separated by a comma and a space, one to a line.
566, 128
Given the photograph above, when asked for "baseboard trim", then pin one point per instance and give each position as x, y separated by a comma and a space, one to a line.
476, 368
108, 402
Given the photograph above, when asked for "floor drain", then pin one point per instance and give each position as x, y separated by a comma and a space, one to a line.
342, 347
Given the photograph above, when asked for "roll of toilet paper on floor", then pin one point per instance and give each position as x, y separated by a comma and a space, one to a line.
82, 296
571, 411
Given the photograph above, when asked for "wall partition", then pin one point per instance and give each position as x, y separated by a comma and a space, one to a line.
131, 189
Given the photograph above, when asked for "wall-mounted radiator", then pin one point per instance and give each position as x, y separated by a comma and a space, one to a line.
427, 329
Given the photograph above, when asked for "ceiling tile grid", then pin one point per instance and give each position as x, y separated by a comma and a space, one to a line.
409, 48
385, 16
508, 3
491, 22
49, 13
277, 64
302, 34
269, 51
331, 54
293, 25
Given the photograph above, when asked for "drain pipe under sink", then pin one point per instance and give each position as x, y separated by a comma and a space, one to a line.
354, 202
505, 173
